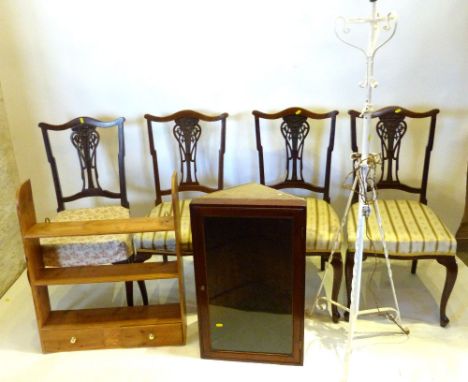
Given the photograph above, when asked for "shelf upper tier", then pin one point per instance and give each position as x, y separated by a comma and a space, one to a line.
100, 227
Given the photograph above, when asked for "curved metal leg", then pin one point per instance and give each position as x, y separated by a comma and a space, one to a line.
451, 266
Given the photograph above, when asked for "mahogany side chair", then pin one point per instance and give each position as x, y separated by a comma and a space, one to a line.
83, 251
293, 125
413, 231
187, 130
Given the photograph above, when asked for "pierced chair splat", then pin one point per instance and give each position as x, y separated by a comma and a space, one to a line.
89, 250
188, 129
295, 125
413, 231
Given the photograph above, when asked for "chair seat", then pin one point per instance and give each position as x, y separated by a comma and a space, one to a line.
164, 242
411, 229
87, 250
322, 225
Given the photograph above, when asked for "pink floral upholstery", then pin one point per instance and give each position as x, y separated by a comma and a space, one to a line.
87, 250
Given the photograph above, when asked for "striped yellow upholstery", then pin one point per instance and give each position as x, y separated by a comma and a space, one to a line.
322, 225
411, 228
165, 241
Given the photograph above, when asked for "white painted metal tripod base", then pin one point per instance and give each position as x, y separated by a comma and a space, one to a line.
376, 24
393, 313
323, 302
361, 181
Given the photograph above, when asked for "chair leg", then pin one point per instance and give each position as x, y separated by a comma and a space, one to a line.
128, 284
141, 258
323, 260
137, 258
414, 265
349, 265
129, 292
337, 264
143, 291
451, 266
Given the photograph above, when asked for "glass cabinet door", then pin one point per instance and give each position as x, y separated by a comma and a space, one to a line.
249, 271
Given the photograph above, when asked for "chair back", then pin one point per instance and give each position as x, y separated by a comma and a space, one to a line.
187, 128
85, 138
294, 124
391, 127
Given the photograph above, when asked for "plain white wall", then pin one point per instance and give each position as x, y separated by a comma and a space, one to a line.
63, 59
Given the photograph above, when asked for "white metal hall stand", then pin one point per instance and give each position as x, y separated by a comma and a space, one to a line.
365, 164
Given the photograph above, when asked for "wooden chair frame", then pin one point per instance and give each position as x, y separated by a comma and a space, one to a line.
186, 131
295, 130
393, 127
85, 138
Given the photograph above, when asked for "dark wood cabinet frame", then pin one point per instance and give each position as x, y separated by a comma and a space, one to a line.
298, 218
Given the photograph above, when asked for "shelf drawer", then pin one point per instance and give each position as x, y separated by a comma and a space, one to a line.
56, 340
151, 335
72, 339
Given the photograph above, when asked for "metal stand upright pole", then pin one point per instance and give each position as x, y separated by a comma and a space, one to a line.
363, 208
364, 174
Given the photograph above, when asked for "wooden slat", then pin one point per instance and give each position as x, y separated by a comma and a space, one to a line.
107, 273
108, 317
100, 227
180, 262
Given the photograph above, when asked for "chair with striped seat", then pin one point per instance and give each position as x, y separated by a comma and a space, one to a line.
85, 135
293, 126
187, 127
412, 229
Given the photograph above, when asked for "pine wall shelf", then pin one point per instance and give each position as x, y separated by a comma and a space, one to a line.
99, 328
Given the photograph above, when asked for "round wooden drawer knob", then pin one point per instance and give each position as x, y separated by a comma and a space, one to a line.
151, 336
73, 340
